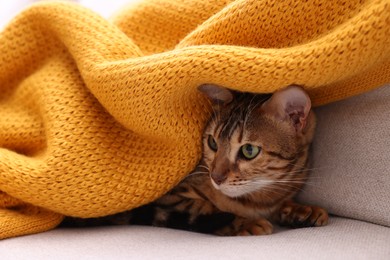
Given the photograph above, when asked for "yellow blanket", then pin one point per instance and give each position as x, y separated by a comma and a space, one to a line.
97, 117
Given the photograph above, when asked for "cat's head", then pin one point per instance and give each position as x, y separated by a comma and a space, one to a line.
257, 143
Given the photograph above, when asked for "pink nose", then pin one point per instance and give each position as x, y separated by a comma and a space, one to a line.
218, 178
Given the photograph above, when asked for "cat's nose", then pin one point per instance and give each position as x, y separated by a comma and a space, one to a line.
218, 178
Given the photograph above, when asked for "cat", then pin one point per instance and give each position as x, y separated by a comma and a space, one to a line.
255, 160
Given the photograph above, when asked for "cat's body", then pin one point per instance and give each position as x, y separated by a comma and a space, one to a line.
255, 158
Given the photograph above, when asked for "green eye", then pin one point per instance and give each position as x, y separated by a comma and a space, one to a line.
249, 151
212, 144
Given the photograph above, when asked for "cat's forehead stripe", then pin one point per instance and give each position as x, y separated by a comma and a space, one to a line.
235, 117
235, 145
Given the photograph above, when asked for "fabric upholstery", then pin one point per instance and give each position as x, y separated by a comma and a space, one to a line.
97, 118
351, 158
341, 239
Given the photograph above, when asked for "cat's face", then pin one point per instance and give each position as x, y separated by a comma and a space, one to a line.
255, 144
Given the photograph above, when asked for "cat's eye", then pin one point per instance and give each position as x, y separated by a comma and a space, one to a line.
212, 143
249, 151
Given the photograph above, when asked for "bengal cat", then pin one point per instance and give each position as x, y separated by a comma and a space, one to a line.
255, 158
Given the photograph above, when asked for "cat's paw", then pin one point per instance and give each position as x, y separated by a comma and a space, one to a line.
296, 216
257, 227
245, 227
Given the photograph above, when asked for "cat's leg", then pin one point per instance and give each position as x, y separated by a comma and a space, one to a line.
246, 227
295, 215
188, 208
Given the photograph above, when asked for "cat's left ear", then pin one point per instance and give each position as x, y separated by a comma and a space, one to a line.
217, 94
291, 103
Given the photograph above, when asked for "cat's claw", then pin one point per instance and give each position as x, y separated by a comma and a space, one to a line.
296, 216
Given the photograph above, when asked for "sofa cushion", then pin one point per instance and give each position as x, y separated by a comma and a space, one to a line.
351, 158
341, 239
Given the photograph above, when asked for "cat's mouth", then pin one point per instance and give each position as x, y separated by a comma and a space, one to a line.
216, 186
235, 190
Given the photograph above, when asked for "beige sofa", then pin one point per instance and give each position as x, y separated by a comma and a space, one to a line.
350, 177
342, 239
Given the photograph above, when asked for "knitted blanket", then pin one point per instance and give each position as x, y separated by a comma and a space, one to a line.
98, 117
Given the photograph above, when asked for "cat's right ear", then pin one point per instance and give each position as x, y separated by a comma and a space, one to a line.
217, 94
292, 104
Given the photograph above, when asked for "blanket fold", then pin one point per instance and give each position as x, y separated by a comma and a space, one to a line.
98, 117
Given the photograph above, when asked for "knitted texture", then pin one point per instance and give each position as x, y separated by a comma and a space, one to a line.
98, 117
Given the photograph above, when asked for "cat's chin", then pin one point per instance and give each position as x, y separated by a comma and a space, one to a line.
233, 193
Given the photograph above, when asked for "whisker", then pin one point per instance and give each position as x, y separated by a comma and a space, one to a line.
312, 168
203, 166
291, 185
248, 112
295, 188
290, 178
195, 173
285, 181
217, 112
265, 171
270, 191
279, 184
303, 181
